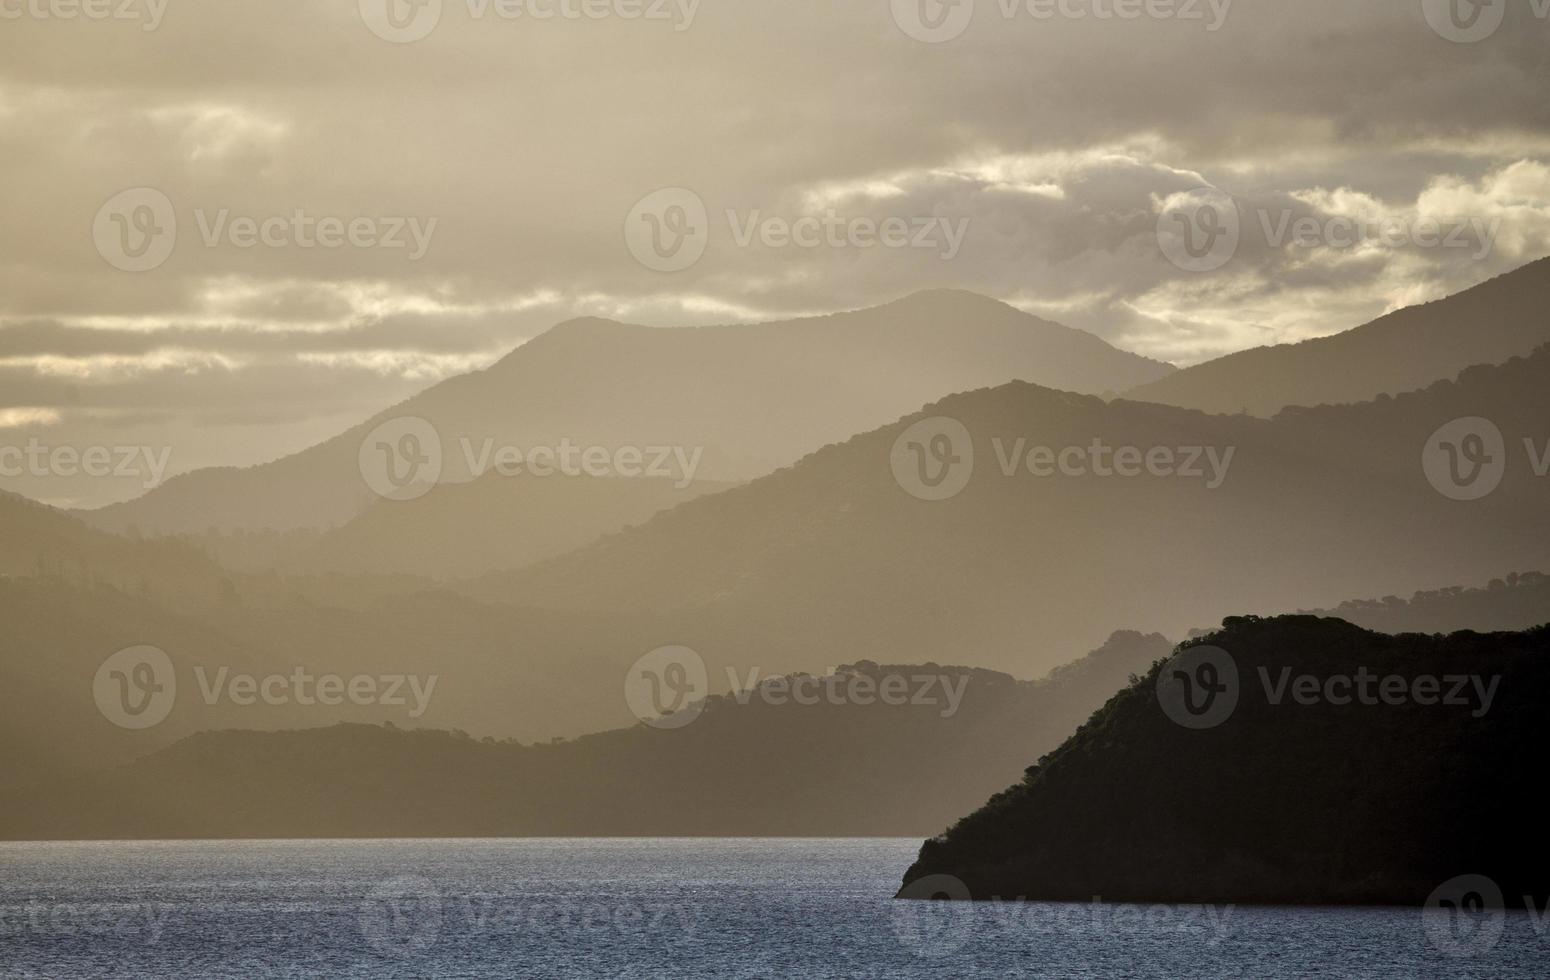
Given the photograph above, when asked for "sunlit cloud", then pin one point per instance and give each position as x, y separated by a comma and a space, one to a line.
17, 418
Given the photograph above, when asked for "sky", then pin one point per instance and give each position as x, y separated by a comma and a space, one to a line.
237, 228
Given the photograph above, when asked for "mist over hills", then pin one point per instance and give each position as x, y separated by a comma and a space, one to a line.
750, 397
1410, 348
1373, 799
489, 524
840, 766
832, 561
37, 540
1517, 601
833, 555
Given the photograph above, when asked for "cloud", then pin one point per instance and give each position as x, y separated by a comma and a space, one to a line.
528, 143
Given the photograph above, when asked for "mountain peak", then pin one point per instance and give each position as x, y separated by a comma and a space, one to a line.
953, 299
591, 325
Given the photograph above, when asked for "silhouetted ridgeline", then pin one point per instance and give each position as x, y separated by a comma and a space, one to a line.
601, 383
1284, 802
1519, 601
740, 769
1408, 349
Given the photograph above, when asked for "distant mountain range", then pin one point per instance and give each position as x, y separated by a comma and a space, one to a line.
1373, 792
1515, 602
1405, 350
489, 524
750, 398
832, 558
851, 765
37, 540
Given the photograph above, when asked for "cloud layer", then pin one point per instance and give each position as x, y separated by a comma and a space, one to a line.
1060, 132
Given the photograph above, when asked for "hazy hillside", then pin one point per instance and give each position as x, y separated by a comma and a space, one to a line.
38, 540
1517, 602
832, 559
1402, 351
740, 769
1283, 802
751, 397
489, 524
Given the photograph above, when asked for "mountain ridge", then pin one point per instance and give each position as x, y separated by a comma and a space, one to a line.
1403, 350
601, 382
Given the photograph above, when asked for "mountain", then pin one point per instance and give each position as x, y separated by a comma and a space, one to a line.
1516, 602
37, 540
489, 524
1325, 797
833, 559
1402, 351
849, 764
745, 398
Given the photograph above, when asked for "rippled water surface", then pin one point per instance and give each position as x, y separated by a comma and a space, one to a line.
669, 908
